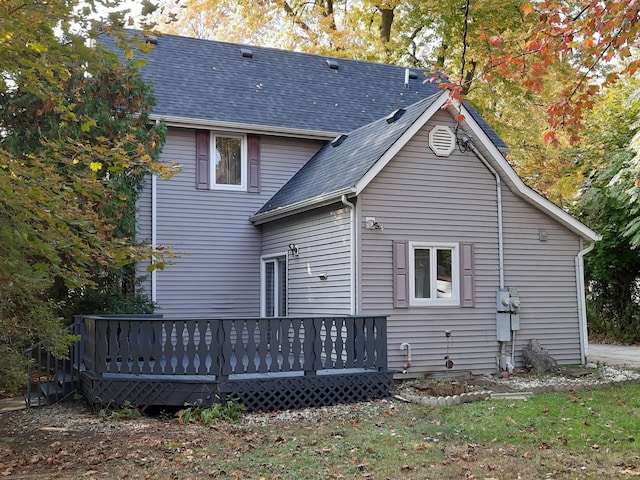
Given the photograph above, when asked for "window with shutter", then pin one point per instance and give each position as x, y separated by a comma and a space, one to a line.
227, 161
434, 275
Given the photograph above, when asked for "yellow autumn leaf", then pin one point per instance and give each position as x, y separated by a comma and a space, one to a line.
95, 166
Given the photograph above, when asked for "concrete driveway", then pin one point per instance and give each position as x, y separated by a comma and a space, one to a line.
623, 355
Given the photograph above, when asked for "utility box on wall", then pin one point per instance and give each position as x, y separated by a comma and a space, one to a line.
508, 316
503, 326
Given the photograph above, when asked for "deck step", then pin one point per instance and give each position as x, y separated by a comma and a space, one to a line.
66, 378
52, 391
36, 400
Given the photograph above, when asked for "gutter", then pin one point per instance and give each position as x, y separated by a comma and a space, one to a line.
582, 302
299, 207
353, 252
186, 122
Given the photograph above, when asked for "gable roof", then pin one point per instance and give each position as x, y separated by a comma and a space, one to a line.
337, 167
346, 169
266, 90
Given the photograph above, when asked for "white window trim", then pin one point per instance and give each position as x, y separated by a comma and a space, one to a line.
455, 270
244, 160
263, 280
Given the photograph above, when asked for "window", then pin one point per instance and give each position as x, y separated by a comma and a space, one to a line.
274, 286
228, 162
434, 274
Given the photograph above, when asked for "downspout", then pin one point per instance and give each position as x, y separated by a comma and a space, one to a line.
582, 302
352, 254
154, 233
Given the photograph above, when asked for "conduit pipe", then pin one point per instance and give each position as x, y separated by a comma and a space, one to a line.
353, 252
468, 143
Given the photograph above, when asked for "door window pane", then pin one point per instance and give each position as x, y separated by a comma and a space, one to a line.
270, 282
275, 287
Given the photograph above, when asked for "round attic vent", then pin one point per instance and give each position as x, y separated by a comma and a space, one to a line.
442, 140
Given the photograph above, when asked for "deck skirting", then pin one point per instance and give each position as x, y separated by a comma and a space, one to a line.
264, 392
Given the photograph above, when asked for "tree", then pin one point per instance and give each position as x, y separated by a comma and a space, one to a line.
608, 202
74, 143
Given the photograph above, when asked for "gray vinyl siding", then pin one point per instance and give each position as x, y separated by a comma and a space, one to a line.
218, 269
421, 197
544, 272
323, 238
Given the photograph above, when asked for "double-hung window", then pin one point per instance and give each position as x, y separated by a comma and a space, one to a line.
229, 164
434, 274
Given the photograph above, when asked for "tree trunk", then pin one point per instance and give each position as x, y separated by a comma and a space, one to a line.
386, 21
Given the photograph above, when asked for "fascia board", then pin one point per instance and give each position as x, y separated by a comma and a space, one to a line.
521, 189
309, 204
186, 122
401, 142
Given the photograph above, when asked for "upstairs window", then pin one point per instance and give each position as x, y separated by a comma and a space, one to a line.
434, 274
228, 162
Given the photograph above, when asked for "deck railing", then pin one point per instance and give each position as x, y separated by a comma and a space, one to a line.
226, 347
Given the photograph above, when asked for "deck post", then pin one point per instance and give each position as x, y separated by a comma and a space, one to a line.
310, 335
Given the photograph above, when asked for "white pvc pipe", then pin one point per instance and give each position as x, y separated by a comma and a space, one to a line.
473, 148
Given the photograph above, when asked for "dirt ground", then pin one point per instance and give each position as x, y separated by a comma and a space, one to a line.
69, 441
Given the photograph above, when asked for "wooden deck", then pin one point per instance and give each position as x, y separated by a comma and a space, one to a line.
265, 363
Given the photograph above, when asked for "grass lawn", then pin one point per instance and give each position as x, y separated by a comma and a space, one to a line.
576, 435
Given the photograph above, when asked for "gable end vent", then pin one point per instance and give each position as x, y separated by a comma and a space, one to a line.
442, 140
246, 52
333, 65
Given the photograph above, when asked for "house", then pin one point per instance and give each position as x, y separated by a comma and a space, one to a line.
316, 186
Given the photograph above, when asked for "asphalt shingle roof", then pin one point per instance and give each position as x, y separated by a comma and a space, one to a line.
278, 89
336, 168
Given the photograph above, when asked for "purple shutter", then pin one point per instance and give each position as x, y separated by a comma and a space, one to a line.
253, 142
400, 274
202, 159
467, 275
